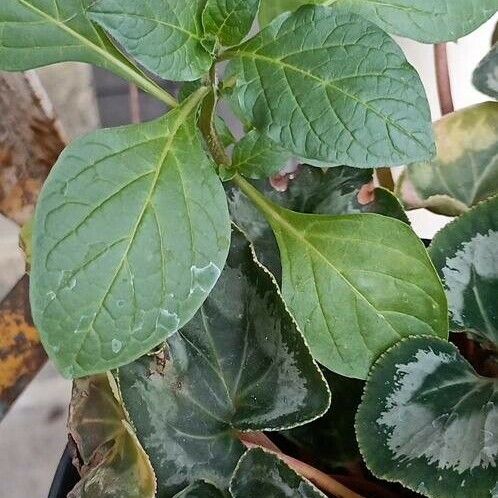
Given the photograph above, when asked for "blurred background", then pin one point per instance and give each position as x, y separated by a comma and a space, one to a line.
33, 434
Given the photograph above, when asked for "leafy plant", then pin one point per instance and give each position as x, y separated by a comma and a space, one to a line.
191, 283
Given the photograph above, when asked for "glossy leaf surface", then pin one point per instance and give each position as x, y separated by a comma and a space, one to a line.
429, 421
256, 156
130, 236
239, 365
163, 35
485, 77
340, 190
466, 255
229, 21
334, 88
262, 474
465, 170
353, 291
114, 463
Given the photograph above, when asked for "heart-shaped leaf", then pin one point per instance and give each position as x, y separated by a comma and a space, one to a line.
114, 463
466, 255
429, 421
36, 33
130, 234
239, 365
310, 190
256, 156
353, 290
332, 87
260, 473
485, 77
200, 490
163, 35
465, 170
229, 21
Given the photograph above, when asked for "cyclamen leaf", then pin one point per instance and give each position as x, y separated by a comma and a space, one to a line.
131, 232
200, 490
260, 473
485, 77
466, 255
334, 88
229, 21
355, 284
163, 35
256, 156
340, 190
429, 421
465, 170
240, 365
114, 463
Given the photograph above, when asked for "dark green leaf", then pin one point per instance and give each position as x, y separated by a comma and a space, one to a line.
130, 235
163, 35
256, 156
429, 421
331, 440
465, 170
114, 463
200, 490
263, 474
229, 21
340, 190
485, 77
355, 284
466, 255
333, 87
239, 365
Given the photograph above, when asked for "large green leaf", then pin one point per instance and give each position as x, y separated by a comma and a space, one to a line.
331, 439
337, 191
355, 284
485, 76
465, 170
36, 33
114, 465
270, 9
163, 35
333, 87
256, 156
260, 473
229, 21
239, 365
200, 490
466, 255
131, 233
429, 421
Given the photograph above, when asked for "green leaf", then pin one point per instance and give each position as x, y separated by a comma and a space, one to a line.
36, 33
131, 232
331, 439
466, 255
256, 156
355, 284
333, 87
465, 170
340, 190
229, 21
260, 473
429, 421
163, 35
427, 21
200, 490
485, 77
270, 9
114, 463
240, 365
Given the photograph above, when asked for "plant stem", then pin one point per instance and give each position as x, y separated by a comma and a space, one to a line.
319, 478
443, 79
259, 439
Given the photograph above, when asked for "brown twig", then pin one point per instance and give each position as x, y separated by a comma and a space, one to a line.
443, 79
134, 96
320, 479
